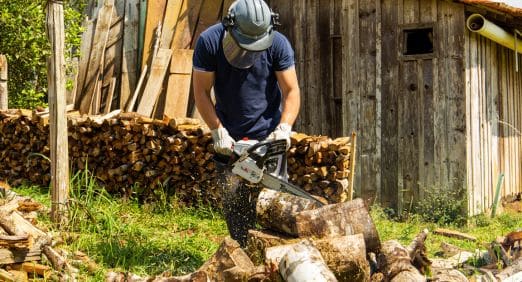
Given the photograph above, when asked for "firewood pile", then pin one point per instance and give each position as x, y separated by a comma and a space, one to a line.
339, 242
27, 251
126, 150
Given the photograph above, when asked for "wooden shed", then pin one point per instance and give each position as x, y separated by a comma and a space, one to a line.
434, 104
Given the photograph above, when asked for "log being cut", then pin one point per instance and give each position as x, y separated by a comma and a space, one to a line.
276, 210
337, 220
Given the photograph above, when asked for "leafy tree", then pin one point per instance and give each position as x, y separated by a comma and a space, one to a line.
24, 42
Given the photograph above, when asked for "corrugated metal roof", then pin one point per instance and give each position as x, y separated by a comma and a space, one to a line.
496, 5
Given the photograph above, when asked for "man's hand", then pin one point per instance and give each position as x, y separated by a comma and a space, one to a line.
282, 131
223, 143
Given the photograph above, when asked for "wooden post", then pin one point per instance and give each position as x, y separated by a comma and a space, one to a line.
3, 83
57, 113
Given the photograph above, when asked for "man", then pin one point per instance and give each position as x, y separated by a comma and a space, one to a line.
251, 67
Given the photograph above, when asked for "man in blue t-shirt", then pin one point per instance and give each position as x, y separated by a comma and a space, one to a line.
251, 68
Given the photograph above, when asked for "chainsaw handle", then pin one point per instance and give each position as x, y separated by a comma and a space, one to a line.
274, 147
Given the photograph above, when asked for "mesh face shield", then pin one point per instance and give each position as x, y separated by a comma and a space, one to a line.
237, 56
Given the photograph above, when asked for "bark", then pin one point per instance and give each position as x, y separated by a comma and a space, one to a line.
338, 220
303, 262
345, 256
277, 211
396, 262
228, 255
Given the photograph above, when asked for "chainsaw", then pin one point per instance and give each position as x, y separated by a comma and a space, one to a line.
259, 162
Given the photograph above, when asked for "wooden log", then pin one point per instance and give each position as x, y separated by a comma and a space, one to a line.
258, 241
228, 255
447, 274
3, 83
10, 256
16, 241
303, 262
454, 234
337, 220
15, 224
345, 256
395, 260
277, 211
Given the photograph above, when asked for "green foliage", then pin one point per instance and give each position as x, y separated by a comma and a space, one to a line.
24, 42
442, 205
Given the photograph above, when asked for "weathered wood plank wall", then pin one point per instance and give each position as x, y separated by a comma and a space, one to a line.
337, 74
494, 121
409, 111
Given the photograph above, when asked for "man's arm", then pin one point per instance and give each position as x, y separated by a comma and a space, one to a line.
287, 80
203, 82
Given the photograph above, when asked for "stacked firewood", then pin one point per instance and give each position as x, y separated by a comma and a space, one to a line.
125, 151
23, 244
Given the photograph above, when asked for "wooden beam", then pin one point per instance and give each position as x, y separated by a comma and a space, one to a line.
58, 119
3, 83
154, 85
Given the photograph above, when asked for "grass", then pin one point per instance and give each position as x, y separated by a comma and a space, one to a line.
125, 235
149, 239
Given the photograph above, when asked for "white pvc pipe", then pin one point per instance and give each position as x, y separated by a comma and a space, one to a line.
477, 23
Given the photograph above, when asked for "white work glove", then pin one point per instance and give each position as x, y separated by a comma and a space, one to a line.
223, 143
282, 131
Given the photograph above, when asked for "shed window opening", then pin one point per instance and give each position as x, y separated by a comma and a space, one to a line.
418, 41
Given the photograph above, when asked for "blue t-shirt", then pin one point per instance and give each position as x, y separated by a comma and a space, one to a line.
248, 101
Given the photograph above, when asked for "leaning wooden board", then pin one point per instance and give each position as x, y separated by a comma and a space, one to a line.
179, 83
129, 62
159, 68
97, 55
155, 12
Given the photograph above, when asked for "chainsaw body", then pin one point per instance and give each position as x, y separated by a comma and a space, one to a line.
265, 163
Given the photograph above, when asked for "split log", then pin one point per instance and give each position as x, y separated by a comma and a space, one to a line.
228, 255
338, 220
258, 241
417, 252
16, 241
396, 262
345, 256
10, 256
303, 262
277, 211
15, 224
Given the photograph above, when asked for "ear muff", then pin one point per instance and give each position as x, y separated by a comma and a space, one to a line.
230, 20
